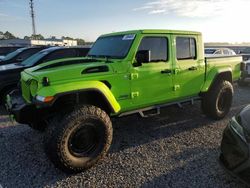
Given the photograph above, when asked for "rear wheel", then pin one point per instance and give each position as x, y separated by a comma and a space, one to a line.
80, 140
216, 103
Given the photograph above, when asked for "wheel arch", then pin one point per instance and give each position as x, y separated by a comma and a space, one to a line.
90, 96
215, 77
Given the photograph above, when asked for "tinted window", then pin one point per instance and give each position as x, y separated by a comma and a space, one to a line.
59, 54
185, 48
218, 52
7, 50
82, 52
27, 53
209, 51
157, 46
112, 46
14, 54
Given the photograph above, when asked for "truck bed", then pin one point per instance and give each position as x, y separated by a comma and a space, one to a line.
231, 63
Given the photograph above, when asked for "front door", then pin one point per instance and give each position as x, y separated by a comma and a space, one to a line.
152, 82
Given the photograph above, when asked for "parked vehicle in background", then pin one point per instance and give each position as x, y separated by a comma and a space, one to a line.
1, 57
245, 56
235, 146
20, 55
245, 73
209, 52
4, 50
10, 74
124, 73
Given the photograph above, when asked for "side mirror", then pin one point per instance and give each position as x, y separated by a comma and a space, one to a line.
143, 56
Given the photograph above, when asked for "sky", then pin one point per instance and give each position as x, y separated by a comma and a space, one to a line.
218, 20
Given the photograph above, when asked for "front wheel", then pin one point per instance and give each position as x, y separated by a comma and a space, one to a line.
216, 103
80, 140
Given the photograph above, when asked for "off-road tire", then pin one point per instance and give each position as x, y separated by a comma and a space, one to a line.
216, 103
62, 130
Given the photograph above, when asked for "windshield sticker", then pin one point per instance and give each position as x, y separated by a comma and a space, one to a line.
129, 37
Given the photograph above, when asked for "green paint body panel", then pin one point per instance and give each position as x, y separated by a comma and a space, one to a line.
134, 87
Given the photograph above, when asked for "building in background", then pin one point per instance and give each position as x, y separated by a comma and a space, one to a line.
45, 42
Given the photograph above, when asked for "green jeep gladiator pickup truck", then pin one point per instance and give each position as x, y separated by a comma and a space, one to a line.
124, 73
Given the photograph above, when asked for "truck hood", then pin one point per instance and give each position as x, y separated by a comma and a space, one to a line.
61, 71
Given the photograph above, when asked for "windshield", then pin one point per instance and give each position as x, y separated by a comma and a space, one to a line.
209, 51
112, 46
32, 60
13, 54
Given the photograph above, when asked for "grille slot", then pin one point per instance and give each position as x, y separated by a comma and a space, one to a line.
26, 90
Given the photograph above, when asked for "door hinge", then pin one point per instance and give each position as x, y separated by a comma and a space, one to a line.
134, 76
176, 87
134, 94
176, 71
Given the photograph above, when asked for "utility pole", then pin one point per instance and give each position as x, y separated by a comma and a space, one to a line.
32, 13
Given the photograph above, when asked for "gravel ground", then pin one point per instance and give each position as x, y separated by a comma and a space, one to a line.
179, 148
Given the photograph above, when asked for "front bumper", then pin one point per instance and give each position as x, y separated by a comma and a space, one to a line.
235, 154
21, 111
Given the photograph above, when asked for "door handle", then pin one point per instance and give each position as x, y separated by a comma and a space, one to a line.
193, 68
166, 71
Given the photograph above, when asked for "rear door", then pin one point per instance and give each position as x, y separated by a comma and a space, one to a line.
189, 65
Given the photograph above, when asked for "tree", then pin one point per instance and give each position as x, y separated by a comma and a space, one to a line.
67, 38
37, 37
8, 35
26, 38
80, 41
1, 35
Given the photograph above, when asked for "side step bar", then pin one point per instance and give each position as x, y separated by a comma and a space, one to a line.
145, 112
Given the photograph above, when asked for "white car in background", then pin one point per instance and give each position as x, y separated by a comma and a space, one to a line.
215, 52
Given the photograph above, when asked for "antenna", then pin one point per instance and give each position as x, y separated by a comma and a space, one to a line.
32, 13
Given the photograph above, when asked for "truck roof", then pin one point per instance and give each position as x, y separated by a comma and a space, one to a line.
155, 31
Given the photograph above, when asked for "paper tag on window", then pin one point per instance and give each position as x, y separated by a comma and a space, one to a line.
129, 37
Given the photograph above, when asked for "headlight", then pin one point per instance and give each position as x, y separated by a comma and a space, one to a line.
33, 87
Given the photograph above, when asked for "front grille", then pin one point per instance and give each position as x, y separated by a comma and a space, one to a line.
26, 90
234, 150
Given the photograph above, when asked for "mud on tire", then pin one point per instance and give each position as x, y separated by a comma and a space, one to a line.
216, 103
78, 140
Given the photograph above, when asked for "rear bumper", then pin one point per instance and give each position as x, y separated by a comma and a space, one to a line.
235, 155
23, 112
